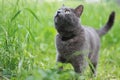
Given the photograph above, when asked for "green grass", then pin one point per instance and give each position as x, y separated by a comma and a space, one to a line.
27, 34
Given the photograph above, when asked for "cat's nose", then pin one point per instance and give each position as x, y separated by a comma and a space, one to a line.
59, 11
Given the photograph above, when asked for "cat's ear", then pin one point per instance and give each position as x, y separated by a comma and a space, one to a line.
79, 10
63, 5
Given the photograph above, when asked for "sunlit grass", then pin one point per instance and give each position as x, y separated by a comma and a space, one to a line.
27, 34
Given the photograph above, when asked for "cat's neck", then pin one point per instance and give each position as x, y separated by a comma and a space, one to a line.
67, 34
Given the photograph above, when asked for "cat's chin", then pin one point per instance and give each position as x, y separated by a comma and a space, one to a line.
58, 20
55, 20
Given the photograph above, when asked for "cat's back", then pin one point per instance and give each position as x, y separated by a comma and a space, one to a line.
91, 32
92, 37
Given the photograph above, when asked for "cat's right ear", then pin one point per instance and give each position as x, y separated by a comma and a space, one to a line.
79, 10
63, 5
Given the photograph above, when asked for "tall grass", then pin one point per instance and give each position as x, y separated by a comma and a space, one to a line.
27, 49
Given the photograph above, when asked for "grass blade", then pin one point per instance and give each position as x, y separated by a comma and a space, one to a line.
33, 14
15, 15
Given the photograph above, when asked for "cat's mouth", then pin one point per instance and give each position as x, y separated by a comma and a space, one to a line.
58, 18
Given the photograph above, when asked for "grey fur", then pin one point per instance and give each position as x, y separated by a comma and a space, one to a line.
76, 43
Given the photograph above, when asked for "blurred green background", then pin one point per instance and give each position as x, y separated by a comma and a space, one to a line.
27, 36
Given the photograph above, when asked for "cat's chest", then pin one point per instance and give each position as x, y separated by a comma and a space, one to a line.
68, 47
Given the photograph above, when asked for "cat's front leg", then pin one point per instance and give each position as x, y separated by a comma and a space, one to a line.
79, 64
60, 59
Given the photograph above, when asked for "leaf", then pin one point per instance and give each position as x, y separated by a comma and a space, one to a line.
33, 14
30, 33
15, 15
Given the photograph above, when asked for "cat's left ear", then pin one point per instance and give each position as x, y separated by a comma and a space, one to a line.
63, 5
79, 10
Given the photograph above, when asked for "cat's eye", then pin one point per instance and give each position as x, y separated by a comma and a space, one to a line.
67, 11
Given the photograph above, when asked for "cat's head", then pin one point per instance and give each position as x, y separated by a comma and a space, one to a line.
68, 16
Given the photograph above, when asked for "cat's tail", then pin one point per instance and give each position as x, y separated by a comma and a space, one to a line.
108, 25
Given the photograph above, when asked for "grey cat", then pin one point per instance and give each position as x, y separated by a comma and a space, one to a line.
77, 44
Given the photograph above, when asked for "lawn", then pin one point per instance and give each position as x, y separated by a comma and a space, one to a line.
27, 36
